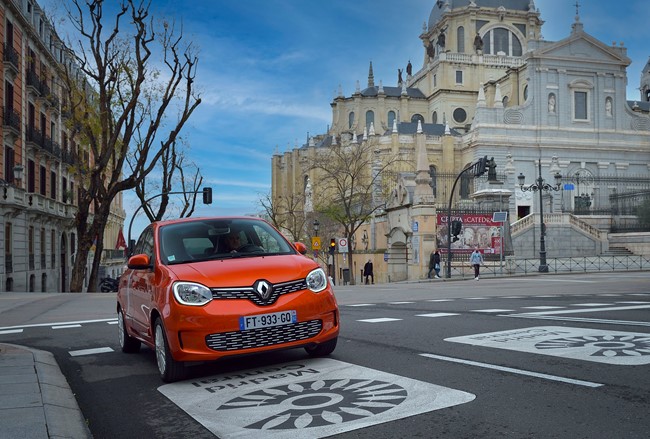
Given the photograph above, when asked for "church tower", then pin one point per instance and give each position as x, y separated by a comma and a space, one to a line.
645, 83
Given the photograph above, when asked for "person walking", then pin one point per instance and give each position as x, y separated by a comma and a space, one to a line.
436, 263
476, 259
367, 272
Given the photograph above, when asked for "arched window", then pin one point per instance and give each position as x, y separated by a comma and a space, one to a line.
417, 117
460, 38
502, 40
370, 118
434, 117
391, 119
351, 119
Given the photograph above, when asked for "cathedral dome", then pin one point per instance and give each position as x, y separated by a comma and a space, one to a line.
440, 6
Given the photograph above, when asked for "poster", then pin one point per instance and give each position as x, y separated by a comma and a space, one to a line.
477, 230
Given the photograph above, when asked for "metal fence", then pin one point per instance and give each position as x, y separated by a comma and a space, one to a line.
516, 267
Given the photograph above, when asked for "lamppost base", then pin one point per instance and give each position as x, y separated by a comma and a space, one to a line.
543, 268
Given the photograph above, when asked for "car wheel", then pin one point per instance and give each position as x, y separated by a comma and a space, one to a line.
323, 349
127, 343
170, 369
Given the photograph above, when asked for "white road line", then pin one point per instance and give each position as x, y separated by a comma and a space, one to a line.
440, 300
589, 304
575, 311
38, 325
90, 352
579, 319
491, 310
477, 298
379, 320
515, 371
438, 314
11, 331
635, 303
66, 326
544, 307
399, 303
361, 304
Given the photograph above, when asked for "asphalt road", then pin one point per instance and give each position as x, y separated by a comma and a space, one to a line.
548, 356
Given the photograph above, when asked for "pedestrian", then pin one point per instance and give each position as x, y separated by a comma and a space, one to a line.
434, 264
367, 272
476, 259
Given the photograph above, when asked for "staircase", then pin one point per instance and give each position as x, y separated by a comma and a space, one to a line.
616, 250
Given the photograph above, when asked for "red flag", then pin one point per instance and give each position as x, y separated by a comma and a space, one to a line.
121, 242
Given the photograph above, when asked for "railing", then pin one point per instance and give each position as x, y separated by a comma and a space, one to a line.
586, 264
11, 56
34, 81
11, 118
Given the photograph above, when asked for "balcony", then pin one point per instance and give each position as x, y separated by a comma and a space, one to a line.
34, 139
11, 125
11, 61
33, 84
69, 157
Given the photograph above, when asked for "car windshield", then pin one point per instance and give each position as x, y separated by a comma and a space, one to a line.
210, 239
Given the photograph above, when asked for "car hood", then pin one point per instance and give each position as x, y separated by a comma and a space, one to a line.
244, 271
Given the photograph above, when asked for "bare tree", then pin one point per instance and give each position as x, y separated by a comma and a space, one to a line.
350, 176
173, 169
286, 214
119, 103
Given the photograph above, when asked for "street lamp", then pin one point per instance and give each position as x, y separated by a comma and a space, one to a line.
540, 186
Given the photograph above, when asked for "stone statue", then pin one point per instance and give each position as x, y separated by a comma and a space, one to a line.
309, 203
551, 103
441, 39
431, 50
399, 76
492, 170
478, 43
409, 69
608, 107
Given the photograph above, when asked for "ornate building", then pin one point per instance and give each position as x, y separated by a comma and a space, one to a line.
490, 85
39, 198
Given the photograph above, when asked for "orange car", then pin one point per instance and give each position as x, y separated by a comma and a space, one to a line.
200, 289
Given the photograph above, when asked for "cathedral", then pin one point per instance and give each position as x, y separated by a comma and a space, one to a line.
569, 151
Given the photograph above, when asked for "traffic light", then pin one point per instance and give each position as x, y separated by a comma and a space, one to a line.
207, 195
456, 227
332, 246
481, 166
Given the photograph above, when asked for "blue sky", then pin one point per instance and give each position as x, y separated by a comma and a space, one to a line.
268, 70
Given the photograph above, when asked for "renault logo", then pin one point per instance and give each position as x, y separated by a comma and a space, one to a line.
263, 289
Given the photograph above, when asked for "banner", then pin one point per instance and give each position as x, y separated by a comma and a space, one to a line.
478, 230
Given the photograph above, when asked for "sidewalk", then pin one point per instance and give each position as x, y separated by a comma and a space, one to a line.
35, 398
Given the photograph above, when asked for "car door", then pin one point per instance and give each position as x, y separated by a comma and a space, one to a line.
140, 291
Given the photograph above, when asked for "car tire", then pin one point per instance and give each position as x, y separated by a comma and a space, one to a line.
128, 344
170, 370
322, 349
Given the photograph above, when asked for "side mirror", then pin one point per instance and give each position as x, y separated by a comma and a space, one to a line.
139, 262
302, 248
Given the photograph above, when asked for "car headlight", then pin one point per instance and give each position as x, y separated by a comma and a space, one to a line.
192, 294
316, 280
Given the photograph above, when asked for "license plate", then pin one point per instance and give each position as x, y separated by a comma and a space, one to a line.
268, 320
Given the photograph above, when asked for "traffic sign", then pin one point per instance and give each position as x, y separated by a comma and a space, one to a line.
315, 243
342, 245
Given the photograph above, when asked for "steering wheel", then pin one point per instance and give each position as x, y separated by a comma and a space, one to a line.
250, 248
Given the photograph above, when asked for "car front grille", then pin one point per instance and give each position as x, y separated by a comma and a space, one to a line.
249, 293
260, 337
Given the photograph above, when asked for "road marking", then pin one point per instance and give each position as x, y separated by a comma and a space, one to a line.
94, 351
438, 314
589, 304
361, 304
635, 303
440, 300
476, 298
588, 310
515, 371
544, 307
491, 310
66, 326
38, 325
399, 303
379, 320
312, 399
11, 331
597, 345
579, 319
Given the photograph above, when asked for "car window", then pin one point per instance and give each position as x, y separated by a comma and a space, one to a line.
268, 241
145, 244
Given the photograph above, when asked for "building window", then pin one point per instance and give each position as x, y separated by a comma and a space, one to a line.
526, 93
30, 246
460, 37
370, 118
43, 181
391, 119
351, 119
435, 80
9, 164
460, 115
53, 185
53, 248
417, 117
31, 175
580, 107
8, 249
434, 117
43, 252
433, 175
499, 41
459, 76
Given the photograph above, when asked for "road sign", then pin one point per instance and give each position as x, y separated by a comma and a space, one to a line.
315, 243
343, 245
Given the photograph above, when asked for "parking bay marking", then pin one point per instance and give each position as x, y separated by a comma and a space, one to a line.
308, 399
515, 371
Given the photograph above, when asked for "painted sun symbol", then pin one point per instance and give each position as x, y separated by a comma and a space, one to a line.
606, 345
320, 403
